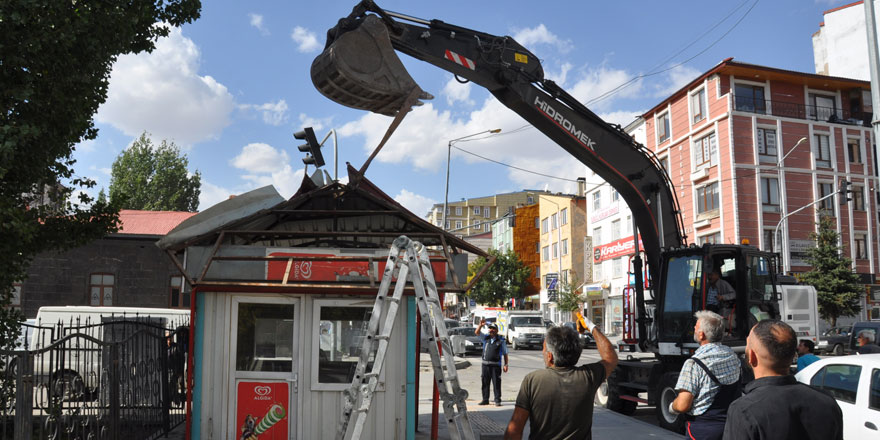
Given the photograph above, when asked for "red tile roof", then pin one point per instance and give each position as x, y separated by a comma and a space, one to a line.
150, 222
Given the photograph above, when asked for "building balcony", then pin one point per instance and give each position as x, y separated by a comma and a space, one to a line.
801, 111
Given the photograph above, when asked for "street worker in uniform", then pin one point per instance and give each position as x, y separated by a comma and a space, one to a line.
775, 405
494, 350
558, 400
867, 342
805, 354
709, 381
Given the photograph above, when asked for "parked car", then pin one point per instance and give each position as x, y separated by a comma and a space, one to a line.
464, 341
585, 338
452, 323
834, 340
854, 381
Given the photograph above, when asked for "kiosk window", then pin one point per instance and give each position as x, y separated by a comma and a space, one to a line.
341, 333
265, 338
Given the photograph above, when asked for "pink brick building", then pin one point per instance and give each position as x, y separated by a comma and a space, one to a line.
746, 146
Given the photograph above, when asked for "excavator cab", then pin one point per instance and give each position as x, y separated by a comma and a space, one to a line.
734, 281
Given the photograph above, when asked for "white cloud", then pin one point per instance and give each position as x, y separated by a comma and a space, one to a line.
161, 92
541, 35
561, 76
266, 165
594, 83
257, 22
676, 79
260, 158
317, 124
211, 195
621, 117
422, 138
415, 203
305, 40
457, 92
87, 146
273, 113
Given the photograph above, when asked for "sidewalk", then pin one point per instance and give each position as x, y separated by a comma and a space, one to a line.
489, 423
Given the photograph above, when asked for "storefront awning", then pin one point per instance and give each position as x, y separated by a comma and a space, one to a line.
535, 297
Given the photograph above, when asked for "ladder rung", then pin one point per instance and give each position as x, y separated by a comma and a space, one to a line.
382, 337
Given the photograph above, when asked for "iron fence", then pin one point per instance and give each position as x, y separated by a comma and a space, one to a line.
801, 111
122, 378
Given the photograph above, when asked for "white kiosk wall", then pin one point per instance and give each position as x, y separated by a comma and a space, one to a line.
261, 351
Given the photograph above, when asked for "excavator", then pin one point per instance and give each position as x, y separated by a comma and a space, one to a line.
359, 68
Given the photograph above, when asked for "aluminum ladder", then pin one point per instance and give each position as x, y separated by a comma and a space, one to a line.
406, 260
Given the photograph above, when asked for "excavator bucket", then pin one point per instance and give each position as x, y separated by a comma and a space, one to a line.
360, 69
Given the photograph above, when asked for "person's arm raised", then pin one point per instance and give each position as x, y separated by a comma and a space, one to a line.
604, 346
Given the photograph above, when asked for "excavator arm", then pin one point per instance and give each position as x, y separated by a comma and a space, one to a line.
359, 69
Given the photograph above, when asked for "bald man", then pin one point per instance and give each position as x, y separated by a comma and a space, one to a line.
776, 406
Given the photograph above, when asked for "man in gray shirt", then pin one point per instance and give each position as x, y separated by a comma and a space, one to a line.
558, 400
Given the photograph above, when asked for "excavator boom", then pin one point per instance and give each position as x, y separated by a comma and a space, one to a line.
359, 69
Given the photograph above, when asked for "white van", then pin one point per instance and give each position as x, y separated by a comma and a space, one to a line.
523, 328
76, 365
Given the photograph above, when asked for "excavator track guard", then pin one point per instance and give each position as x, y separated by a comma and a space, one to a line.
360, 69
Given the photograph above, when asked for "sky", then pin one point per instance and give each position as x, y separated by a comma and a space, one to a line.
231, 88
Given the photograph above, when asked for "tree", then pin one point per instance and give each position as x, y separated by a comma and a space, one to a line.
154, 178
838, 287
505, 279
570, 299
56, 60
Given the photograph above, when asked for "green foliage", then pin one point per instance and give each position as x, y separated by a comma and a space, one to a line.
569, 299
506, 278
154, 178
55, 61
831, 274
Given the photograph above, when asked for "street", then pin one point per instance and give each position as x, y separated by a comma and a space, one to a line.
521, 363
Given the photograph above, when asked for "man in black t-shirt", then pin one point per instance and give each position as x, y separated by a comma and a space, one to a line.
558, 400
775, 406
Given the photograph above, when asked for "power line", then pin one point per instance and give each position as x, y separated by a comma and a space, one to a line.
512, 166
638, 77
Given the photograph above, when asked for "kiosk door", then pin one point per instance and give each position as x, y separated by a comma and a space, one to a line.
264, 368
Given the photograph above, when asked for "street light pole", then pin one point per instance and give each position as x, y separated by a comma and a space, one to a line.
778, 246
335, 153
786, 216
448, 158
802, 140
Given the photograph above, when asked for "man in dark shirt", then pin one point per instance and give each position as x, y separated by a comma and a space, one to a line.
866, 342
775, 406
558, 400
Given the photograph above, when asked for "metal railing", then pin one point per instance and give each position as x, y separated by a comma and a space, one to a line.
123, 378
801, 111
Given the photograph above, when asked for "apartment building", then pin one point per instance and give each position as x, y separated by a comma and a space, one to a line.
562, 220
840, 46
750, 148
521, 234
473, 216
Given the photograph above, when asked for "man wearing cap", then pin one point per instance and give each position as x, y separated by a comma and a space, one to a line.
494, 350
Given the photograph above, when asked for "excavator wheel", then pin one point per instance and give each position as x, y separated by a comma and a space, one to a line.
360, 69
665, 395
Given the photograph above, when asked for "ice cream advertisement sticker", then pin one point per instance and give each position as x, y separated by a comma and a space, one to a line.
262, 410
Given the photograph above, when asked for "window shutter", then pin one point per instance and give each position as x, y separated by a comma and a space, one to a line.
713, 150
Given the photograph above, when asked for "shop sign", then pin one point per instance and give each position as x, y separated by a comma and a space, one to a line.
605, 213
798, 251
333, 270
618, 248
593, 290
261, 410
551, 281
